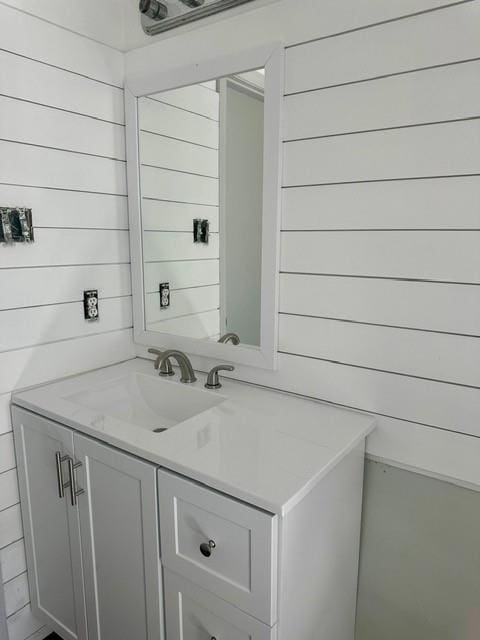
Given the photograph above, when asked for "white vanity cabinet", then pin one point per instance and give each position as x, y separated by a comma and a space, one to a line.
235, 572
241, 523
93, 558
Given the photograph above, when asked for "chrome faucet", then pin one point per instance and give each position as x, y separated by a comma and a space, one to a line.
186, 369
166, 368
230, 337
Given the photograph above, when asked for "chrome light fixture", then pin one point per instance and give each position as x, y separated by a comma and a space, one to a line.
193, 3
153, 9
157, 17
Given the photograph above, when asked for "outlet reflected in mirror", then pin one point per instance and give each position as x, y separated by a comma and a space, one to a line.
201, 151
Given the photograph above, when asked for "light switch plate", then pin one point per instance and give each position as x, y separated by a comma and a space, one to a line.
201, 230
16, 225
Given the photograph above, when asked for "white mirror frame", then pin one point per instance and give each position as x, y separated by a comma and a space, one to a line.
153, 81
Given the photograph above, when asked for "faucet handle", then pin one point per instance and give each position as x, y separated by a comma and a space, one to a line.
166, 369
157, 353
213, 380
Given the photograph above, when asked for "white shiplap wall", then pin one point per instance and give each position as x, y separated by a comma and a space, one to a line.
380, 264
380, 303
61, 153
381, 228
179, 132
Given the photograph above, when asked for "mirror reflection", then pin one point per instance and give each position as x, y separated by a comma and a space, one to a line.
201, 176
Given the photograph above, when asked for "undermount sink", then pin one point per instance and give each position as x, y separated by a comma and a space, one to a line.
147, 401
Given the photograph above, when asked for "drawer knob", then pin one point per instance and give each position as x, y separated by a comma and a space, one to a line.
206, 548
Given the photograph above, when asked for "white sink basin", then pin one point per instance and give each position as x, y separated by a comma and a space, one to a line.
146, 401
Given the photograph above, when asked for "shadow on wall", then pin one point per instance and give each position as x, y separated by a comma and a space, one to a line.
420, 560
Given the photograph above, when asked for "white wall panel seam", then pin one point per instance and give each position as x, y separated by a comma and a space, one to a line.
378, 324
65, 69
63, 150
52, 107
377, 24
383, 76
354, 132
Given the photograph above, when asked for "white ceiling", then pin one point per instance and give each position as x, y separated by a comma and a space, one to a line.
112, 22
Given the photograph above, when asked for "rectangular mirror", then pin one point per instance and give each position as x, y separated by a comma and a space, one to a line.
204, 179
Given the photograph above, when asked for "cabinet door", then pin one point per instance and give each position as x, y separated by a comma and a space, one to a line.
192, 613
51, 525
241, 564
119, 531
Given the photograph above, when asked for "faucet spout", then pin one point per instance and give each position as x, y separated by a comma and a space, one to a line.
186, 369
166, 368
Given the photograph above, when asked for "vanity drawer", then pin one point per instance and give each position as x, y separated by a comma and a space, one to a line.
191, 613
240, 563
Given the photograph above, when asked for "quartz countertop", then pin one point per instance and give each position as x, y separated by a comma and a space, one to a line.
264, 447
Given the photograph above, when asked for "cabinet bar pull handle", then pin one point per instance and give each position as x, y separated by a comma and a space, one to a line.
59, 460
74, 492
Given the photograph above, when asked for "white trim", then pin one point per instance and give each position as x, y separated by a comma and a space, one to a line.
148, 80
222, 194
271, 57
422, 471
132, 139
3, 618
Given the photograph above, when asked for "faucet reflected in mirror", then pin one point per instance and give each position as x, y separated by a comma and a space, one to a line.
230, 337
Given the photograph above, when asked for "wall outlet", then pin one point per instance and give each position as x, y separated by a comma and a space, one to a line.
90, 304
164, 290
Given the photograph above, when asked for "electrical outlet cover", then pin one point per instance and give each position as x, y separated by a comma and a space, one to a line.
164, 290
90, 304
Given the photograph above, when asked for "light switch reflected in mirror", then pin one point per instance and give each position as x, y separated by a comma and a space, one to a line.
201, 177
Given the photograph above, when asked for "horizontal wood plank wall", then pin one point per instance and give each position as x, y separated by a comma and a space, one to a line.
380, 282
62, 153
380, 266
381, 50
179, 135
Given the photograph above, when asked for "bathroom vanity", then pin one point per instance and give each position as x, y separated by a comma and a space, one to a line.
158, 510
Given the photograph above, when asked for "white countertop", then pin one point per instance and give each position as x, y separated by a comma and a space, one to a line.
264, 447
